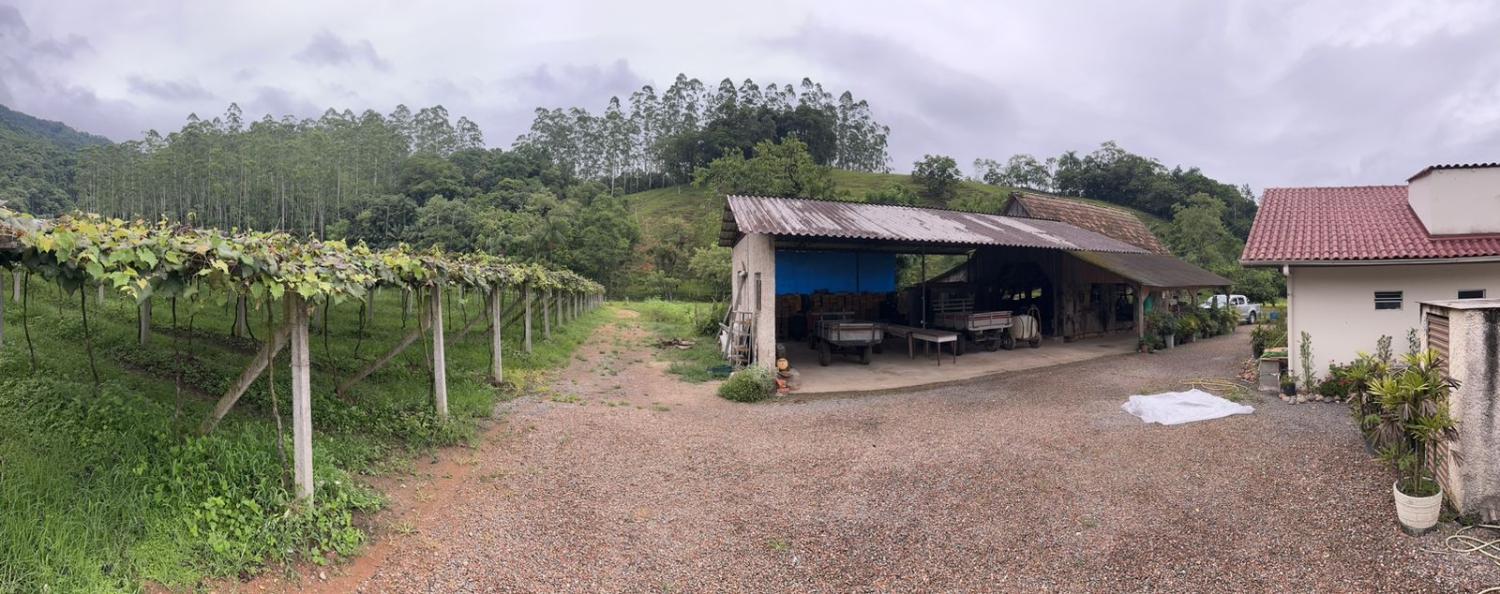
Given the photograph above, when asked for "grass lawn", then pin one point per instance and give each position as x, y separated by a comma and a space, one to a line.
110, 489
669, 320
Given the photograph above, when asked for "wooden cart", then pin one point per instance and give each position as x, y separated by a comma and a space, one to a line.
991, 329
836, 332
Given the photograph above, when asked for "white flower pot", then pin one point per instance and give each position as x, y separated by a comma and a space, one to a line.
1417, 514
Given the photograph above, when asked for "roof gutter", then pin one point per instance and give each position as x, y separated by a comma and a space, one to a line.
1404, 262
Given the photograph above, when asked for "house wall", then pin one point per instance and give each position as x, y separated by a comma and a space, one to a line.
753, 288
1335, 305
1457, 201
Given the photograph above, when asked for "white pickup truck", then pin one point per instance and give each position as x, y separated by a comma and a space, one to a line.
1249, 312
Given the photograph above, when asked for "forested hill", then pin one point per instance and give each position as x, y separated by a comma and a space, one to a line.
37, 159
56, 133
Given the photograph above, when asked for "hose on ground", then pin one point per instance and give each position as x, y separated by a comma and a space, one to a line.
1463, 542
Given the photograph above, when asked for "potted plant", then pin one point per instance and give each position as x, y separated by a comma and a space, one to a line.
1288, 386
1413, 420
1187, 327
1164, 325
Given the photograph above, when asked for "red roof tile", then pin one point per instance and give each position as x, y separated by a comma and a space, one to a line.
1349, 224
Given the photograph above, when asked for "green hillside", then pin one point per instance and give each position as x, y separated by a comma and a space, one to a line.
36, 161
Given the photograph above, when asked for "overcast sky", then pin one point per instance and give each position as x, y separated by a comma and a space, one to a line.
1268, 93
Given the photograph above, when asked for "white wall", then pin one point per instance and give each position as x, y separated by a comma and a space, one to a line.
1335, 305
754, 257
1457, 201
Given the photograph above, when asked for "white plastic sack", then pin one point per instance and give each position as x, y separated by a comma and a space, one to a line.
1175, 408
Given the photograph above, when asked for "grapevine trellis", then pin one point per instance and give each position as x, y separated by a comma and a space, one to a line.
165, 260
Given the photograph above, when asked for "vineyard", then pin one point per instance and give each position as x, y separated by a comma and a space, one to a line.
153, 409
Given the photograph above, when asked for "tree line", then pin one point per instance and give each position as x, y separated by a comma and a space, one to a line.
1203, 220
653, 140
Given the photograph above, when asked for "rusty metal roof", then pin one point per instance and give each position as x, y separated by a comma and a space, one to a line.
1105, 220
1154, 270
802, 217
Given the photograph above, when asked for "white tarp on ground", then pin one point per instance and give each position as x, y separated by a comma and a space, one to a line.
1175, 408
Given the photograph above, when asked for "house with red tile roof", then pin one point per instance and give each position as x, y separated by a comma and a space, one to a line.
1358, 260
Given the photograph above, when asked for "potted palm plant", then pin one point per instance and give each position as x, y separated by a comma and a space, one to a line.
1412, 421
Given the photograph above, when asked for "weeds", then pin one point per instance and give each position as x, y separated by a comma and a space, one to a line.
102, 493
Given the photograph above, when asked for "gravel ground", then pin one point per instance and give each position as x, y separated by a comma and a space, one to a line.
625, 480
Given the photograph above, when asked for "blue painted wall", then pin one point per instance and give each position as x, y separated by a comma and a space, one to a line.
800, 273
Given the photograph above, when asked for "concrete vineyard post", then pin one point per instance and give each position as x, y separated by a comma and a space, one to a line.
526, 302
144, 332
439, 357
547, 314
497, 372
296, 311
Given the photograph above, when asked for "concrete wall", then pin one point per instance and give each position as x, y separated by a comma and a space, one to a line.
753, 288
1457, 201
1472, 482
1336, 304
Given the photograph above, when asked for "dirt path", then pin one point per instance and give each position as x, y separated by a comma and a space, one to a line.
622, 479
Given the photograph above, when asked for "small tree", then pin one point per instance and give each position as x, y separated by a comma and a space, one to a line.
1413, 342
1413, 419
938, 175
1309, 382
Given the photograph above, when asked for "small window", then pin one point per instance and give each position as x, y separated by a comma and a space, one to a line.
1471, 294
1388, 300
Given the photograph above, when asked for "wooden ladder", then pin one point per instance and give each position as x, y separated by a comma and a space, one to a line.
740, 345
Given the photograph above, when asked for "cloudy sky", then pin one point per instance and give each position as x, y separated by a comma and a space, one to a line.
1261, 92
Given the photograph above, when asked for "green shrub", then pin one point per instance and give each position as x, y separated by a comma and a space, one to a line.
1161, 322
706, 323
1267, 335
751, 384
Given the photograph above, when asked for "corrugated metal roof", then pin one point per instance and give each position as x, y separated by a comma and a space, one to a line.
1154, 270
1104, 220
883, 222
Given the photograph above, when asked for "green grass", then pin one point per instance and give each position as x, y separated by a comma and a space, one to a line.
110, 491
857, 183
667, 320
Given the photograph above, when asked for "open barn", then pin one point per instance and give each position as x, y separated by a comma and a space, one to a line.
827, 274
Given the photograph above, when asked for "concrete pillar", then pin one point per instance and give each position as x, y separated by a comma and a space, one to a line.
1468, 466
547, 315
439, 356
526, 306
754, 290
143, 333
497, 373
296, 312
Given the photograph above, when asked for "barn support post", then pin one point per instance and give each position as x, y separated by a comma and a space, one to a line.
439, 355
296, 312
526, 328
497, 370
1140, 311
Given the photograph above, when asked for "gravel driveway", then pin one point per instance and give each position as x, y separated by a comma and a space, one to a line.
623, 479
